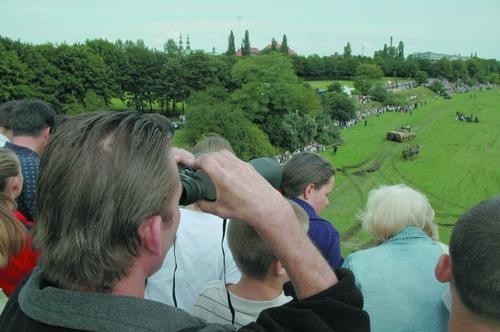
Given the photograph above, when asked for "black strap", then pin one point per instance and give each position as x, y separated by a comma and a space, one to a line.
229, 303
173, 279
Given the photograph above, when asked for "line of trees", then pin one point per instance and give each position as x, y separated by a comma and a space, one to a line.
258, 102
68, 75
393, 63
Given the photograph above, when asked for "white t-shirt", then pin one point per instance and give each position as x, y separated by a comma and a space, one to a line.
212, 306
199, 260
3, 140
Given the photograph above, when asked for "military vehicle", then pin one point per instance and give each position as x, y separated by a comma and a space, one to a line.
402, 134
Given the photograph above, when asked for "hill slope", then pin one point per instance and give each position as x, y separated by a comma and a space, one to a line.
457, 166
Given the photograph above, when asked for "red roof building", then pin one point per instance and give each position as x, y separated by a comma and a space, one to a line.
253, 51
278, 46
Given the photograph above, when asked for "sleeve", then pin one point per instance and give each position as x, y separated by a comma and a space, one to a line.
333, 256
338, 308
27, 198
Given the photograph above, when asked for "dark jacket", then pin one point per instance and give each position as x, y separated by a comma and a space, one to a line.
324, 236
39, 306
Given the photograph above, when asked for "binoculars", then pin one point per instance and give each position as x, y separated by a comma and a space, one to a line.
196, 184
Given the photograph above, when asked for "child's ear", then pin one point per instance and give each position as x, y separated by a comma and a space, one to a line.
279, 269
443, 268
14, 186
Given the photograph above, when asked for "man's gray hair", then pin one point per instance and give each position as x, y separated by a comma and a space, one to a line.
101, 176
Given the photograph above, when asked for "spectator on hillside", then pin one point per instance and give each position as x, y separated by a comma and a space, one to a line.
32, 123
108, 212
5, 122
196, 257
308, 179
260, 286
17, 257
397, 277
473, 269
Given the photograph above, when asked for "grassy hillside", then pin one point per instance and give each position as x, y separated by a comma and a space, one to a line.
349, 83
324, 84
456, 168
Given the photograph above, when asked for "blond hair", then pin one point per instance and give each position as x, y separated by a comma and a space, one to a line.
391, 208
212, 143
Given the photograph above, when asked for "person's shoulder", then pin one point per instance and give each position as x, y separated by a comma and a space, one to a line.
199, 218
213, 287
324, 225
200, 226
21, 151
361, 256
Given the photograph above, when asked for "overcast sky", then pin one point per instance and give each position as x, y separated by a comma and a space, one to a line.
315, 26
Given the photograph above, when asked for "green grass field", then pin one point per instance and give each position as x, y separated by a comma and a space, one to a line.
324, 84
456, 168
348, 83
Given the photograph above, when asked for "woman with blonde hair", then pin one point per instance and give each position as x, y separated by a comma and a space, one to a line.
396, 277
17, 258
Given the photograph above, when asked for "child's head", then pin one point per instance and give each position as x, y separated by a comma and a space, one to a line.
212, 143
252, 256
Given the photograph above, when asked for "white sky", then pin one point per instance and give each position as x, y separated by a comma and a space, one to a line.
321, 26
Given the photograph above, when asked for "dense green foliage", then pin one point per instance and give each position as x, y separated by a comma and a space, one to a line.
231, 48
268, 94
339, 106
246, 138
266, 89
149, 79
284, 45
245, 45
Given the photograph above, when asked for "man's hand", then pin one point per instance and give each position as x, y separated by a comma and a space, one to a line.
182, 156
244, 194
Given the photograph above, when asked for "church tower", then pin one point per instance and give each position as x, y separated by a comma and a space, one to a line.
188, 45
181, 45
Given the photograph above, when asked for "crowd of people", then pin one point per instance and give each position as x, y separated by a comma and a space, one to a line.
449, 88
400, 85
365, 114
458, 86
313, 147
108, 248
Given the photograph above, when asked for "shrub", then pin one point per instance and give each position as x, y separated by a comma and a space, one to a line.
247, 139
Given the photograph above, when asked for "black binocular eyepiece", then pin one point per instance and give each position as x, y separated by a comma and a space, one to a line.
196, 184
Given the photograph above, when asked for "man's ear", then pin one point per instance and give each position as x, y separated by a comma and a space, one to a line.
308, 190
150, 233
443, 268
46, 133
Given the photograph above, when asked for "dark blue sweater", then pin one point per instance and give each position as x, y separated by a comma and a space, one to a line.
323, 235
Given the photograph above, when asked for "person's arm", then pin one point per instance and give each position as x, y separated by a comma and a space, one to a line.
334, 252
245, 195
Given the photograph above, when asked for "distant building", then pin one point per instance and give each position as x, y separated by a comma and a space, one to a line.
181, 45
278, 47
432, 56
253, 51
188, 45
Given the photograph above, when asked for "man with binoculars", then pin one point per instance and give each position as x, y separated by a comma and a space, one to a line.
107, 213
